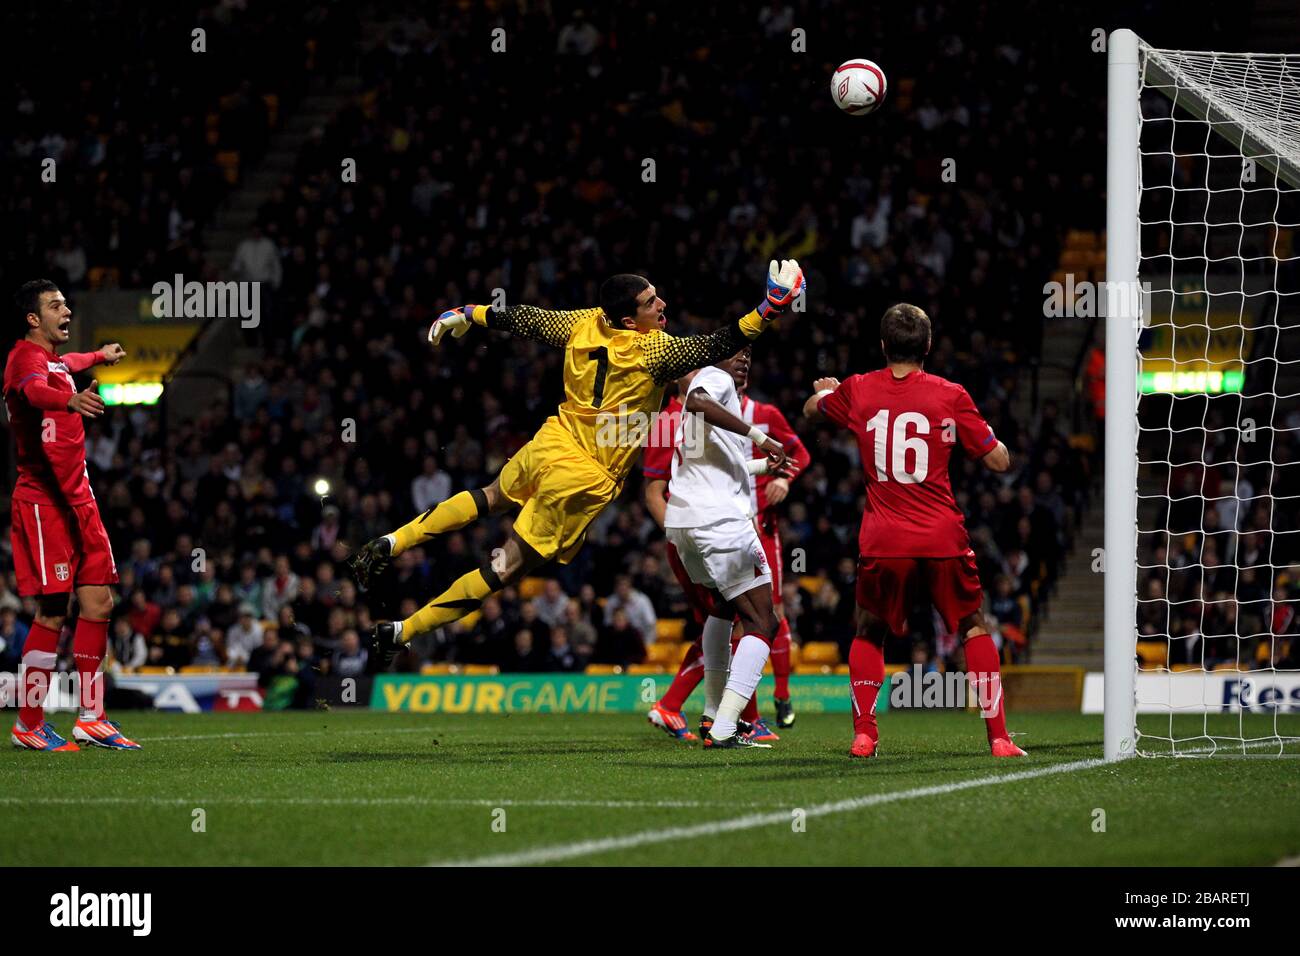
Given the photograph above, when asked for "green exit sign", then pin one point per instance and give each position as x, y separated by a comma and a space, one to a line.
131, 393
1207, 382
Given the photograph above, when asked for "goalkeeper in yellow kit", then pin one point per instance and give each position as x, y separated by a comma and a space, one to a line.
617, 361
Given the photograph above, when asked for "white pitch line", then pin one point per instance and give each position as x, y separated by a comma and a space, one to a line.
568, 851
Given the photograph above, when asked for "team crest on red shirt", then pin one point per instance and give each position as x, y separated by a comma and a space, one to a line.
61, 572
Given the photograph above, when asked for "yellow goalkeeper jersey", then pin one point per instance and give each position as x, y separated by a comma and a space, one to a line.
614, 379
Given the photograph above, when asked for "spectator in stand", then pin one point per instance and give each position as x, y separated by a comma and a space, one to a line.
144, 614
327, 532
279, 590
169, 645
249, 587
528, 620
351, 658
636, 608
1008, 613
431, 487
552, 605
127, 645
486, 641
13, 634
257, 259
562, 656
290, 628
243, 637
581, 632
523, 656
619, 642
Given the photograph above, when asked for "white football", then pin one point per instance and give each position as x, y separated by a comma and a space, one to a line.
858, 87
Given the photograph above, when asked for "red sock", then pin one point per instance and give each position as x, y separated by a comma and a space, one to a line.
985, 677
89, 644
688, 678
39, 654
866, 677
781, 660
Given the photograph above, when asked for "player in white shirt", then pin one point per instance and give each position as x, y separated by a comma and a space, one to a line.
709, 519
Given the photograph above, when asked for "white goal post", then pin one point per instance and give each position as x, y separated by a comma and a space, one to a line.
1202, 382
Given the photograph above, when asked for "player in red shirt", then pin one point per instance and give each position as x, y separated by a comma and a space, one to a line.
59, 541
906, 422
766, 492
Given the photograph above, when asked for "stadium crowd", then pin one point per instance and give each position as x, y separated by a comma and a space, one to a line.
228, 556
116, 164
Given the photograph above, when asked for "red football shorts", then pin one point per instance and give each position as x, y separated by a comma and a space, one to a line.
57, 548
769, 533
885, 587
698, 596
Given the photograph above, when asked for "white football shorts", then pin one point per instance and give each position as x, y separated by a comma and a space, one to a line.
726, 555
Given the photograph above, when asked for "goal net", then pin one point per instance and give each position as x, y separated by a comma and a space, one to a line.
1202, 633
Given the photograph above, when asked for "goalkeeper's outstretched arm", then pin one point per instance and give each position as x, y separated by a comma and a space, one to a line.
667, 358
527, 321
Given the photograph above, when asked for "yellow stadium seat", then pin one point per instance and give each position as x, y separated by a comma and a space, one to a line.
228, 162
670, 629
842, 669
1180, 668
428, 669
820, 652
1153, 655
1081, 239
272, 103
1075, 260
1083, 443
482, 670
807, 670
646, 669
665, 654
529, 588
151, 669
101, 277
811, 583
200, 669
602, 670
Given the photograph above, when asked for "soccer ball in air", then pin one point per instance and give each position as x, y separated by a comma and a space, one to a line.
858, 87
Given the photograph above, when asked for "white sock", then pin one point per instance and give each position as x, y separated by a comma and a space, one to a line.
397, 632
746, 671
392, 542
715, 648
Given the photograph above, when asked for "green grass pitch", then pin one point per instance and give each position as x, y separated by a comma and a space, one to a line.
331, 788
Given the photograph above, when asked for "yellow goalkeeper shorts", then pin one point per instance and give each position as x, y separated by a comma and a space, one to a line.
561, 490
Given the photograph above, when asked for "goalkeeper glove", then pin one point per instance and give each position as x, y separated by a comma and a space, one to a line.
455, 321
784, 284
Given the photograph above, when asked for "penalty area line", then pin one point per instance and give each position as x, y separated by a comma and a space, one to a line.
569, 851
